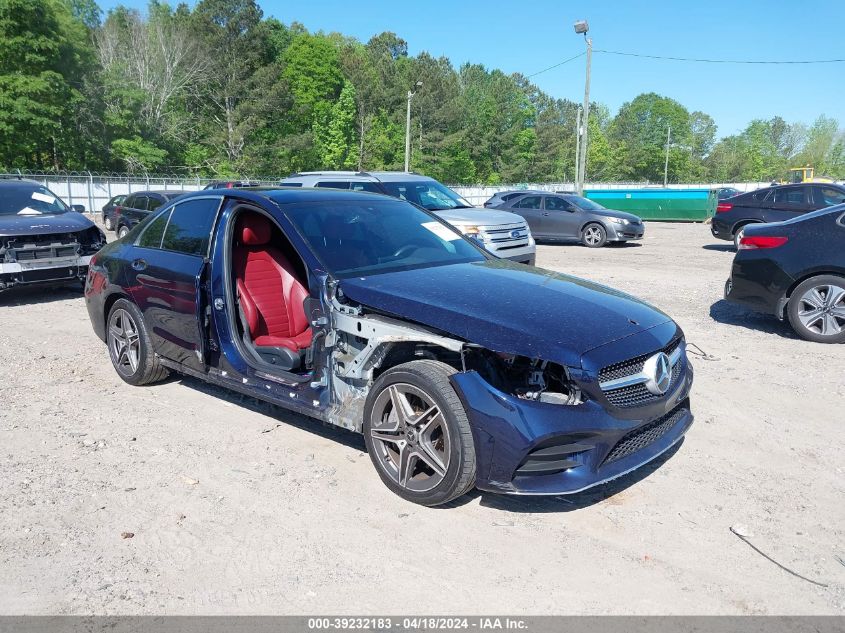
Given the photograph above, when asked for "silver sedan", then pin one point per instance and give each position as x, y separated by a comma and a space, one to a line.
567, 217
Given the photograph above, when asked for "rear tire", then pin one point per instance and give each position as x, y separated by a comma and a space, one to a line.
738, 237
816, 309
122, 231
130, 349
418, 435
594, 235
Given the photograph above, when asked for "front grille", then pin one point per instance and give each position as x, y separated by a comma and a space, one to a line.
30, 248
638, 395
501, 235
639, 438
633, 365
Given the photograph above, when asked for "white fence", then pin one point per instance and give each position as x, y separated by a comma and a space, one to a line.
94, 190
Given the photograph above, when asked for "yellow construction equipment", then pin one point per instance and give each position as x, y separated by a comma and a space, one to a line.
805, 174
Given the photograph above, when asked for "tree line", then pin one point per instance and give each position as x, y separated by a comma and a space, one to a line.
222, 90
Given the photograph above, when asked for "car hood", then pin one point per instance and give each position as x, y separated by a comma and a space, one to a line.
68, 222
612, 213
509, 308
480, 217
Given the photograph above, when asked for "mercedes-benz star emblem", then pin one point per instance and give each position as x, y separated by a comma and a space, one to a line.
659, 374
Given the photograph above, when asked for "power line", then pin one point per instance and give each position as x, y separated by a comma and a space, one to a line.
723, 61
566, 61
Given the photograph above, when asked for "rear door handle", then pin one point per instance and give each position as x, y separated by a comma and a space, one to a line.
139, 264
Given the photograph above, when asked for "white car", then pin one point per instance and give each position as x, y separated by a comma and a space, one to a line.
503, 234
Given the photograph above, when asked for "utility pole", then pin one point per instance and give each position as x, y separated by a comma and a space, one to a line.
408, 130
666, 164
582, 27
577, 147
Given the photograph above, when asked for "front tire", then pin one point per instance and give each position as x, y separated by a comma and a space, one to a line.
418, 435
130, 349
107, 223
594, 235
816, 309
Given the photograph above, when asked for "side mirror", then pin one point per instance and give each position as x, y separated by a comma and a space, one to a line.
79, 208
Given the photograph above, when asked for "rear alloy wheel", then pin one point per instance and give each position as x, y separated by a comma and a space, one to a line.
129, 346
418, 435
594, 235
107, 222
816, 309
738, 237
123, 231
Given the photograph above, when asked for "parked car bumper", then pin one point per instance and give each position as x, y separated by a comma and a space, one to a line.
522, 254
509, 431
721, 229
758, 283
625, 232
43, 272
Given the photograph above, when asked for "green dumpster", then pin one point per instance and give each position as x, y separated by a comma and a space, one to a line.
685, 205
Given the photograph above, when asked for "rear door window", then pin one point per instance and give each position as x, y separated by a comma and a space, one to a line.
189, 229
151, 237
365, 186
153, 203
792, 196
333, 184
140, 203
528, 202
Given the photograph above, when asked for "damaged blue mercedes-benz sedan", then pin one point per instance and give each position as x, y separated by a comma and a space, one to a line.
461, 370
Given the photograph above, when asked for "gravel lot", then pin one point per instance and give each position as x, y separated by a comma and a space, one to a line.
237, 507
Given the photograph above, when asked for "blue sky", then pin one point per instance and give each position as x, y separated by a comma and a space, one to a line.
531, 35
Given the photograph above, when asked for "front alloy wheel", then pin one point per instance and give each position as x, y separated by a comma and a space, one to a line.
594, 235
817, 309
418, 435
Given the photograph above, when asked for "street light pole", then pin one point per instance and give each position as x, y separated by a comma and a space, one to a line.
583, 28
577, 148
666, 164
408, 129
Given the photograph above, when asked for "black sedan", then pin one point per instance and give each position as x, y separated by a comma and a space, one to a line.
795, 270
772, 204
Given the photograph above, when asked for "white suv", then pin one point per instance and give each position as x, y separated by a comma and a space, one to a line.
504, 234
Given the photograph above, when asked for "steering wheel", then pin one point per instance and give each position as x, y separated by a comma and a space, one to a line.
406, 250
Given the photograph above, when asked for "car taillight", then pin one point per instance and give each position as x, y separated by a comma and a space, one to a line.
749, 242
724, 206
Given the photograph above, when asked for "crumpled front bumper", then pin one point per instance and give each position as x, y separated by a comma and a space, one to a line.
508, 431
48, 271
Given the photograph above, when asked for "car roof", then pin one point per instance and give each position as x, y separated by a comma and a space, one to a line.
162, 192
378, 176
18, 182
293, 195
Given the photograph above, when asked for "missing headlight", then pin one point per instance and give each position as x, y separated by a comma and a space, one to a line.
526, 378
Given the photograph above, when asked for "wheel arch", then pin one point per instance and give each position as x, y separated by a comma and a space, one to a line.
782, 305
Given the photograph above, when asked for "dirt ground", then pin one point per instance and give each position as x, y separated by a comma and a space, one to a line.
240, 508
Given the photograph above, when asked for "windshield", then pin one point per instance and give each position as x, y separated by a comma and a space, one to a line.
428, 194
28, 199
364, 238
584, 203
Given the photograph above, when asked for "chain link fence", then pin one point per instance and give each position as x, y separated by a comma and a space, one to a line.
94, 189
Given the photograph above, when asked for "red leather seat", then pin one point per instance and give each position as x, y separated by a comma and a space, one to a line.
270, 294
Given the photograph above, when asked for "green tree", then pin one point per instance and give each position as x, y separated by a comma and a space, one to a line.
334, 132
